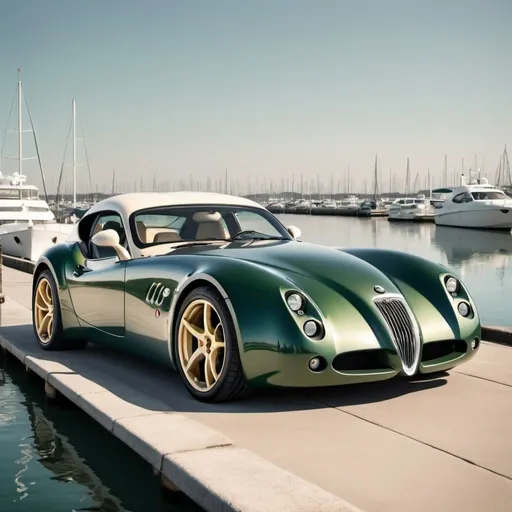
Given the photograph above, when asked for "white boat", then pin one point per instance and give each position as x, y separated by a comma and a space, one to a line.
27, 225
28, 240
350, 203
476, 204
411, 208
329, 203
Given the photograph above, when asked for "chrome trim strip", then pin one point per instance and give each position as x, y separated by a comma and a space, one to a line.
403, 348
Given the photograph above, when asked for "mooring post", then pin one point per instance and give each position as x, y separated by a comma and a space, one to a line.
50, 391
168, 485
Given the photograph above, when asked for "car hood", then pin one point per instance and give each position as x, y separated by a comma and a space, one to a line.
333, 267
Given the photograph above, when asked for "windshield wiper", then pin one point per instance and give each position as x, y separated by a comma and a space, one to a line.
255, 235
192, 244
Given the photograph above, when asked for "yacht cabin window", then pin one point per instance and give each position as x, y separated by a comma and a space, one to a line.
486, 195
18, 193
9, 193
465, 197
29, 194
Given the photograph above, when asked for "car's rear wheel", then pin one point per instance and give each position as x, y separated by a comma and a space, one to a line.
206, 348
46, 316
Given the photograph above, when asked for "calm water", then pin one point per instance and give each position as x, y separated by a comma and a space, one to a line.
481, 258
57, 459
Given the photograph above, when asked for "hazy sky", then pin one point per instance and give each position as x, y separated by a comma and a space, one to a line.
265, 88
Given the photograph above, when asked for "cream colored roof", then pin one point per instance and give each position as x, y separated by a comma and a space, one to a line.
126, 204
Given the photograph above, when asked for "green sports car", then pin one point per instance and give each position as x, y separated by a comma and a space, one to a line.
217, 288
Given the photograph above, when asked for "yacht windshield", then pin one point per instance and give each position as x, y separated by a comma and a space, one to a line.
10, 193
18, 193
178, 224
486, 195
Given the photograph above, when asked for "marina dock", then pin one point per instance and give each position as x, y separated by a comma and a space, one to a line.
404, 445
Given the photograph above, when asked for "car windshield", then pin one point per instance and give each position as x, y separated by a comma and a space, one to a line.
178, 224
488, 195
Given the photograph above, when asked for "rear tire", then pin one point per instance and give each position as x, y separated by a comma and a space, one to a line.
47, 317
206, 348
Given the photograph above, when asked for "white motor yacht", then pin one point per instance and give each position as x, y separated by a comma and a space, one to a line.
410, 208
476, 204
27, 225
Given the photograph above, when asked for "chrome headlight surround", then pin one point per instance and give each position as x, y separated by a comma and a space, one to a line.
296, 302
452, 285
313, 329
464, 309
306, 314
460, 298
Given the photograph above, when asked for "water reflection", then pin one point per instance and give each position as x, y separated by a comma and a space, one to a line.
470, 246
64, 461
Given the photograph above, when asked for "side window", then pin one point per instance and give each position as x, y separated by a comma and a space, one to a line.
458, 198
103, 222
255, 222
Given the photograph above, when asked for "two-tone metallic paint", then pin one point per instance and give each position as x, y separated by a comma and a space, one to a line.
107, 301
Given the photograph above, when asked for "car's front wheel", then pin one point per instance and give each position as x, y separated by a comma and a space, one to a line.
206, 348
46, 316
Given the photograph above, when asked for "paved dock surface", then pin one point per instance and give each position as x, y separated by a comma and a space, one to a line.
442, 444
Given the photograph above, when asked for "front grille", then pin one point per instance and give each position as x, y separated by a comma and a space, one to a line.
402, 328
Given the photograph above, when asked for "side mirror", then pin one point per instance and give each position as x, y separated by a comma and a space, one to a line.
110, 238
294, 231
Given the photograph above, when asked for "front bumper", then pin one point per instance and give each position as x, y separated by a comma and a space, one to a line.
359, 366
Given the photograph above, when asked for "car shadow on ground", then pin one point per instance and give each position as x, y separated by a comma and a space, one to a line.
158, 388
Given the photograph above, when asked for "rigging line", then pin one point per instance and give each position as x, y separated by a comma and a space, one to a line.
57, 198
37, 151
86, 153
7, 126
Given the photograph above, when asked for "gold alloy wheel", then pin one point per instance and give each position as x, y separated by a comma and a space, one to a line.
201, 345
43, 305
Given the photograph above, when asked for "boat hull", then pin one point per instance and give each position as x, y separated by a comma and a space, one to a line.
29, 242
485, 218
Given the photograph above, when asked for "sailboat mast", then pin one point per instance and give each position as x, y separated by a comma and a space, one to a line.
20, 126
74, 153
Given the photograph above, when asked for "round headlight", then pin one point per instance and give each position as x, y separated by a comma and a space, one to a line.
463, 309
311, 328
452, 284
295, 301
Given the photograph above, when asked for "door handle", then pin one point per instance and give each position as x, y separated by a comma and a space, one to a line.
81, 270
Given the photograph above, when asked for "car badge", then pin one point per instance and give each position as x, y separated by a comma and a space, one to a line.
379, 289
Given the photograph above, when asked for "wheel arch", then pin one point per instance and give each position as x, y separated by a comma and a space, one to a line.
55, 260
180, 294
42, 265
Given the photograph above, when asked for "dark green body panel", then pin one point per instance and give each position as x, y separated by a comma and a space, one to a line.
112, 306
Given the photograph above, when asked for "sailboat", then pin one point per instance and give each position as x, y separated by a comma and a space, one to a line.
77, 211
27, 225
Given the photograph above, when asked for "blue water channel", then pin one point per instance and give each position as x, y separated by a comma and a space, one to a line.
54, 458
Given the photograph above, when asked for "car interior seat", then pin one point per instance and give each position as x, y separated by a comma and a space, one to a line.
209, 226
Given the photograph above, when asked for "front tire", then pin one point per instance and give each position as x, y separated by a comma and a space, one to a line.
47, 318
206, 348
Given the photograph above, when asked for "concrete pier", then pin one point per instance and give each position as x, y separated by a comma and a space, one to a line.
417, 445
